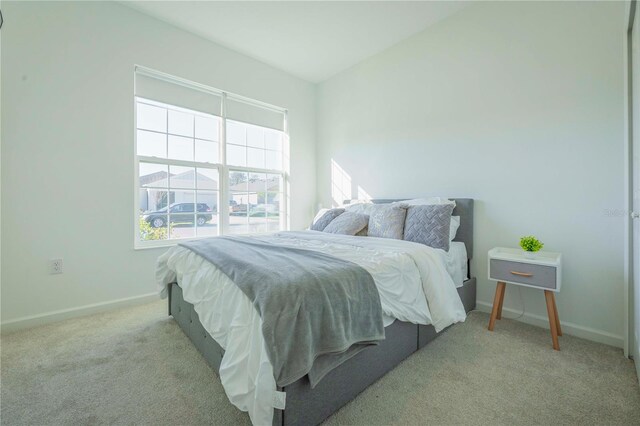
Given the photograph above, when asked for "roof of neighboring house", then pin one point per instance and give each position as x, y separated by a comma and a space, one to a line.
153, 177
258, 186
184, 180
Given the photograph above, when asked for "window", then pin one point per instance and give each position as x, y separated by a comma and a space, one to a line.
208, 162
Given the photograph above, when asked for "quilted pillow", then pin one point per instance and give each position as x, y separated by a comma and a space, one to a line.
387, 221
325, 219
429, 225
455, 220
348, 223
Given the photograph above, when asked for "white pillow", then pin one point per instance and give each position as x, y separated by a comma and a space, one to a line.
361, 201
453, 227
428, 201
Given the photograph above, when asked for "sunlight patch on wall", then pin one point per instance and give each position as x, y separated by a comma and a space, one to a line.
363, 195
340, 184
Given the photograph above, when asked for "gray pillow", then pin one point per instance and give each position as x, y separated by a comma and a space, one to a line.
348, 223
429, 225
325, 219
362, 208
387, 221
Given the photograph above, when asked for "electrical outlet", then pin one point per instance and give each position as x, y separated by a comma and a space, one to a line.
55, 266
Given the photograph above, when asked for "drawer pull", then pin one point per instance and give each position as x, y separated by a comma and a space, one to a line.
522, 274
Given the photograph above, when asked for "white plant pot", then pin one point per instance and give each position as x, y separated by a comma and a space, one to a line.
530, 254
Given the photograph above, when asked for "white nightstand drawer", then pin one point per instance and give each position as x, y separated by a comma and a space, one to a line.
523, 273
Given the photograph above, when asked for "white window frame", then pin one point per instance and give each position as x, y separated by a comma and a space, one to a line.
222, 167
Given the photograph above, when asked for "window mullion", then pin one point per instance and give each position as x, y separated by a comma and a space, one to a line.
168, 182
285, 223
180, 163
195, 183
255, 170
224, 175
136, 176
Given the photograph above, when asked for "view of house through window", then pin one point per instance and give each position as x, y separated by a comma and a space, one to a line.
254, 202
201, 174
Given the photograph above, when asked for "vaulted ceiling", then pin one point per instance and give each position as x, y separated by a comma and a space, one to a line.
311, 40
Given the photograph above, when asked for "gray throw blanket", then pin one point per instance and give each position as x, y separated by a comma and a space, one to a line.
317, 310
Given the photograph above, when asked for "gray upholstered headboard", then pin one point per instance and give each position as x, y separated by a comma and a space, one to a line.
464, 209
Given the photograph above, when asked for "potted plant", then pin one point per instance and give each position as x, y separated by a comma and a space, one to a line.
531, 245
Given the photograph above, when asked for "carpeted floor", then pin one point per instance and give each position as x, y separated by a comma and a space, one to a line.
135, 366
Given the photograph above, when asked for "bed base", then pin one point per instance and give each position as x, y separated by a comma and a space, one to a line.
306, 406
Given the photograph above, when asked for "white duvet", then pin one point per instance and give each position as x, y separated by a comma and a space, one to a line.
404, 273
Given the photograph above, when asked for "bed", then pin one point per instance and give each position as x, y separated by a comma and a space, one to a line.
307, 405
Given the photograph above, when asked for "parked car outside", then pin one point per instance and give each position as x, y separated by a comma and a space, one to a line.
236, 209
179, 213
262, 210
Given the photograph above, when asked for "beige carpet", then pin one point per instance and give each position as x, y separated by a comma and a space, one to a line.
135, 366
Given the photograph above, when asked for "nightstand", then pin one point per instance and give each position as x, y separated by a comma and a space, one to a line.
507, 265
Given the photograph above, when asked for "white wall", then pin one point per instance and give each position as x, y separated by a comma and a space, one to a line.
67, 143
518, 105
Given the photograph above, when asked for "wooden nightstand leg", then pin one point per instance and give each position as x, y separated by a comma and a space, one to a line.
555, 311
504, 290
553, 319
497, 301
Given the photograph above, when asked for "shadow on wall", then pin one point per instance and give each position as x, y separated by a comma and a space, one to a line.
342, 187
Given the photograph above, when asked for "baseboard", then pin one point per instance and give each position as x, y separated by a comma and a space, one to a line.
55, 316
599, 336
80, 311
